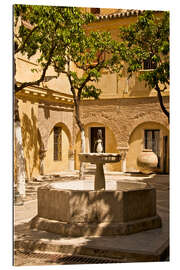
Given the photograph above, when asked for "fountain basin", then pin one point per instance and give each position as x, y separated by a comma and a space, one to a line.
99, 157
75, 209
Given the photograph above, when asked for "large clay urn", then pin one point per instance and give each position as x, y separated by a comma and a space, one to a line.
147, 161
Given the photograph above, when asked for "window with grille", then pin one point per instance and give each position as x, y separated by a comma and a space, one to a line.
57, 143
152, 141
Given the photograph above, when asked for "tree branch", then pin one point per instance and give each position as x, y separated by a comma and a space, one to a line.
98, 66
37, 82
20, 48
82, 86
161, 102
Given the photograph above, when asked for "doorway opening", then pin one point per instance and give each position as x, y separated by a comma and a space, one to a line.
94, 137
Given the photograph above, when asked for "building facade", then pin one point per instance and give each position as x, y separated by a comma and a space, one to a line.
127, 112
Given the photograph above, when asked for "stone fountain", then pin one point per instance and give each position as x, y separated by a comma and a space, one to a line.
99, 207
99, 159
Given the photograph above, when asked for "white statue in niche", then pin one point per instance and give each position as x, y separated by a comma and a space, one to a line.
98, 146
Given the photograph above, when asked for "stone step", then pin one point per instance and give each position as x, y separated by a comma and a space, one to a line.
30, 197
35, 183
31, 187
30, 191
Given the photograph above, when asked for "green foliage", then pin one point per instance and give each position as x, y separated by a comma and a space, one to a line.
148, 38
91, 91
58, 35
48, 26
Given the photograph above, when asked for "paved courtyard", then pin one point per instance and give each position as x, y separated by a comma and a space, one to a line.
152, 245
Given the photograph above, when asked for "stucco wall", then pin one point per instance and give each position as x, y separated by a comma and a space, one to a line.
28, 112
37, 122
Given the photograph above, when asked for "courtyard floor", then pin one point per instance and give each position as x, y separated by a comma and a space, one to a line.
41, 248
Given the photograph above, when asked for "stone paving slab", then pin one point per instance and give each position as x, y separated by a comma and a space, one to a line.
25, 212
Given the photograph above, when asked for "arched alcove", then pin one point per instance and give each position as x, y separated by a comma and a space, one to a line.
58, 147
137, 144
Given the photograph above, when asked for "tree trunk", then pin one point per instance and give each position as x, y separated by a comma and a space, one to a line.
81, 171
20, 160
161, 102
81, 127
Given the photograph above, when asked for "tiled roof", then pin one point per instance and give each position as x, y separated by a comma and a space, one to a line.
120, 13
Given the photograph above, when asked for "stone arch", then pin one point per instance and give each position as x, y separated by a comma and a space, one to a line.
66, 160
154, 118
136, 142
65, 128
46, 133
110, 124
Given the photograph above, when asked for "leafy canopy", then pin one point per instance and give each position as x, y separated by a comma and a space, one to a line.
58, 35
147, 39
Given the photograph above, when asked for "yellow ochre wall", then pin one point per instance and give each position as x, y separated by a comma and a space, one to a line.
136, 144
24, 74
28, 112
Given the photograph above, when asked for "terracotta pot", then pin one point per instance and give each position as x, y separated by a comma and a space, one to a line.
147, 161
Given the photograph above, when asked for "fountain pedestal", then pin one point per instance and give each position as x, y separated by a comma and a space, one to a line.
99, 159
99, 182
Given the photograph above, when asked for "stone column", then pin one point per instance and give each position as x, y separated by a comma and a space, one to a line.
42, 154
123, 151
